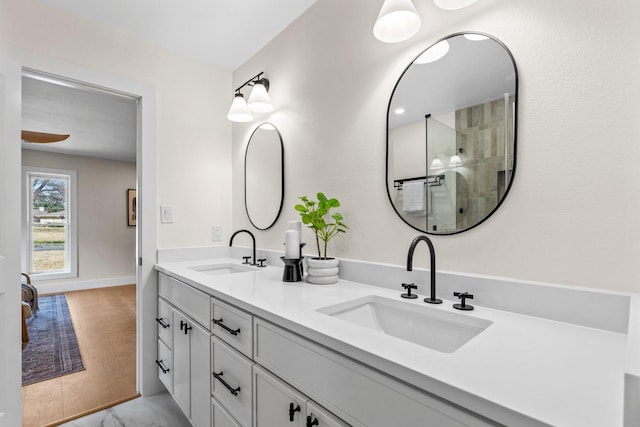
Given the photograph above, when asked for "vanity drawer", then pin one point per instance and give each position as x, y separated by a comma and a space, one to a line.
233, 326
164, 322
232, 385
323, 417
165, 365
220, 416
352, 391
186, 298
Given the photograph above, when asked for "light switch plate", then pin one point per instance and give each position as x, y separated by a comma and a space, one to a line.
216, 233
166, 214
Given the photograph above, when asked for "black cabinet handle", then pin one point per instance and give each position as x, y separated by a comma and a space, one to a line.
161, 365
162, 323
225, 327
232, 390
184, 325
292, 411
312, 423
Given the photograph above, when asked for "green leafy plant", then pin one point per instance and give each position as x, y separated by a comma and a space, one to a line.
313, 214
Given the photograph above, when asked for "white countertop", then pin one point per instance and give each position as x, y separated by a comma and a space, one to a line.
520, 371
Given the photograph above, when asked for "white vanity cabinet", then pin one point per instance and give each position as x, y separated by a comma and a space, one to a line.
227, 367
189, 367
354, 392
278, 404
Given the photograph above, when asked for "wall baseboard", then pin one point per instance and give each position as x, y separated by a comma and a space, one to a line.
58, 288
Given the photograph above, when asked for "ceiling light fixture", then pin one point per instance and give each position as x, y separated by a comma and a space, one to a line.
397, 21
453, 4
259, 100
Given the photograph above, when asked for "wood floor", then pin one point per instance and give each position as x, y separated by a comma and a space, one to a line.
105, 324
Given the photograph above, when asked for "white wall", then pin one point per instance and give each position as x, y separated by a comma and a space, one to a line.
572, 214
106, 244
194, 170
183, 109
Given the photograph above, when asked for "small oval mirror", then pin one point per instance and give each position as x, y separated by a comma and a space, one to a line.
451, 134
264, 176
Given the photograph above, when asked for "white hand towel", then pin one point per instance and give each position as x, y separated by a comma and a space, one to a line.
413, 196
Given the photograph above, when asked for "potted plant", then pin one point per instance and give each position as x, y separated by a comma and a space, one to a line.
316, 215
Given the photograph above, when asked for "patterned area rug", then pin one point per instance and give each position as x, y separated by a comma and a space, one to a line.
52, 350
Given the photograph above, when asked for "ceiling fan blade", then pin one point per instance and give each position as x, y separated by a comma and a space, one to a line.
40, 137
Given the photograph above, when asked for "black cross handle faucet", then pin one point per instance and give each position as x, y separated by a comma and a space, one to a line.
464, 296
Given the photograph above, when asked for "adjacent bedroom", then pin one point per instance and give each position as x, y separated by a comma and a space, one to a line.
79, 232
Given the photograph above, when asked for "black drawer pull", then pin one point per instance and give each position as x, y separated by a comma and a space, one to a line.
311, 423
225, 327
232, 390
161, 365
162, 323
292, 411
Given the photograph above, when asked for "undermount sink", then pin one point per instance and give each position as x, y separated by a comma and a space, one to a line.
220, 269
420, 324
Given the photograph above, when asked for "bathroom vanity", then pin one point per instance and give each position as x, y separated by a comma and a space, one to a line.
239, 347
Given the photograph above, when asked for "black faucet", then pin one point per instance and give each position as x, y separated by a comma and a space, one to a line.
252, 238
432, 299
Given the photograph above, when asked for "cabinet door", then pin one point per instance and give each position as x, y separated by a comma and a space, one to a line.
181, 363
276, 404
200, 377
320, 417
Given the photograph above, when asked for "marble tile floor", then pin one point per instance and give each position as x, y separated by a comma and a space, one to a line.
158, 410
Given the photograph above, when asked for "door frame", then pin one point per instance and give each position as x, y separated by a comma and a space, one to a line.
12, 62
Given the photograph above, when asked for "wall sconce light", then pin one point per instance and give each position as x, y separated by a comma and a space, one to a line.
455, 160
436, 164
259, 100
397, 21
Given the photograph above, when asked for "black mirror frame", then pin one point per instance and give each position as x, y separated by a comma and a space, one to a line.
281, 176
515, 136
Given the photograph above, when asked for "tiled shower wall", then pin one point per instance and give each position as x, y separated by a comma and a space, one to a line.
481, 129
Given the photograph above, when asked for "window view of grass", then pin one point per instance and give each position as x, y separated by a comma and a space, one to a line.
48, 248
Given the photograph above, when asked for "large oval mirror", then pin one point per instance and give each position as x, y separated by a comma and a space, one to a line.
264, 176
451, 134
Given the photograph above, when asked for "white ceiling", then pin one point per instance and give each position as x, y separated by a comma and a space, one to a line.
222, 32
101, 124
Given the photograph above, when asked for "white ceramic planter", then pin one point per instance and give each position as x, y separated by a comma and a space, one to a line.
322, 271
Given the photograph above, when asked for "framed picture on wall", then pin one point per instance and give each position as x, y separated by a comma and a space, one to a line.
131, 207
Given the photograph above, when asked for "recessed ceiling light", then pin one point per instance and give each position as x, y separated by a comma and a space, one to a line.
399, 110
475, 37
434, 53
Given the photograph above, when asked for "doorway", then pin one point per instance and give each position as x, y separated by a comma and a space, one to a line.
12, 63
87, 224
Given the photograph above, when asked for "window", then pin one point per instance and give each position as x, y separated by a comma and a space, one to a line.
50, 227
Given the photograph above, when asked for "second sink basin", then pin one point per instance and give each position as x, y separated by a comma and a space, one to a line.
220, 269
433, 328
